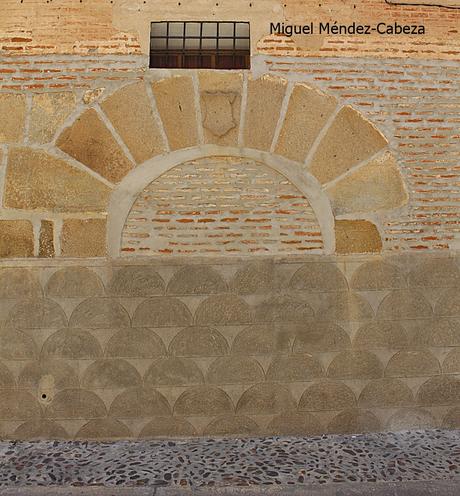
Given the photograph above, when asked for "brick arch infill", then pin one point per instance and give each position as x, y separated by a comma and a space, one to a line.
127, 191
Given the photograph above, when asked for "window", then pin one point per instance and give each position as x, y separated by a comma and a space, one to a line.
200, 45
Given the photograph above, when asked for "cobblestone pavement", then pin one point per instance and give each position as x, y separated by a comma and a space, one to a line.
388, 462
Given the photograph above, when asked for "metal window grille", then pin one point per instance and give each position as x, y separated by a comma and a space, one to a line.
200, 45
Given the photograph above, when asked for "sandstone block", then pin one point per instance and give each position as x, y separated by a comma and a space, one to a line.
451, 364
223, 310
444, 333
107, 429
136, 281
404, 304
111, 374
385, 393
18, 283
36, 313
161, 427
266, 399
448, 303
327, 395
72, 344
437, 273
198, 341
320, 336
203, 400
344, 306
452, 419
13, 112
162, 312
255, 277
18, 405
6, 377
439, 390
356, 236
16, 239
196, 279
48, 374
235, 370
172, 371
410, 419
76, 404
100, 313
74, 282
84, 238
40, 429
377, 275
374, 335
261, 340
135, 343
354, 422
46, 239
355, 365
230, 425
283, 309
141, 402
294, 368
319, 277
16, 345
304, 424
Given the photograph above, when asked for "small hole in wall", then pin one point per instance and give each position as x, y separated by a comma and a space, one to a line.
44, 396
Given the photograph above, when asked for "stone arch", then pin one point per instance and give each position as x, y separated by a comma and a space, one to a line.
329, 151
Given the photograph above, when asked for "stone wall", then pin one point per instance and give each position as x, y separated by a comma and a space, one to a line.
300, 346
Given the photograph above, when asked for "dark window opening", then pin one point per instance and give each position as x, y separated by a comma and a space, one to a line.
200, 45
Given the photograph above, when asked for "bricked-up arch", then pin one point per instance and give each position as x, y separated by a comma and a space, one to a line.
331, 151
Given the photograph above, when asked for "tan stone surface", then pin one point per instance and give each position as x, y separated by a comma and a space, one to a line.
37, 313
223, 310
304, 424
135, 343
162, 312
175, 99
377, 275
172, 371
294, 368
345, 307
198, 341
439, 390
203, 400
385, 393
437, 273
83, 238
307, 113
36, 180
74, 282
110, 373
53, 374
72, 344
320, 336
389, 335
49, 112
319, 277
376, 186
12, 123
448, 303
104, 430
266, 399
235, 370
18, 405
356, 236
196, 279
412, 363
404, 304
452, 419
100, 313
76, 404
451, 364
136, 281
349, 140
327, 395
220, 94
444, 333
410, 419
141, 402
37, 429
90, 142
16, 345
18, 283
354, 422
6, 377
160, 427
131, 113
230, 425
355, 365
16, 239
283, 309
255, 277
46, 239
264, 100
261, 339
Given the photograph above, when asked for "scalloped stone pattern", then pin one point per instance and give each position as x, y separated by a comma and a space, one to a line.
293, 346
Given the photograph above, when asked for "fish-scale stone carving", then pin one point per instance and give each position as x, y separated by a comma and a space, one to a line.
381, 334
74, 282
404, 304
319, 277
18, 405
162, 312
18, 283
172, 427
261, 339
100, 313
173, 371
307, 113
131, 113
283, 309
350, 139
196, 279
444, 333
354, 421
266, 399
327, 395
344, 306
37, 313
255, 277
355, 365
76, 404
377, 275
198, 341
90, 142
451, 364
110, 373
235, 370
223, 310
435, 273
6, 377
439, 390
16, 345
37, 429
139, 402
104, 429
385, 393
204, 401
320, 336
72, 344
411, 418
136, 281
304, 424
452, 419
230, 425
135, 343
50, 374
412, 363
448, 303
294, 368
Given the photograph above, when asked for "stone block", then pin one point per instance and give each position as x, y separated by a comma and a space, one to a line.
354, 422
435, 273
40, 429
171, 427
417, 363
350, 140
404, 304
175, 99
235, 370
411, 419
140, 402
198, 342
345, 307
376, 186
261, 340
439, 390
162, 312
283, 309
13, 110
320, 336
220, 96
72, 344
385, 393
172, 371
18, 283
294, 368
136, 281
6, 377
110, 373
83, 238
319, 277
135, 343
327, 395
16, 345
76, 404
304, 424
264, 99
229, 425
196, 280
448, 303
16, 239
374, 335
204, 401
18, 405
452, 419
36, 313
74, 282
444, 333
90, 142
107, 429
255, 277
451, 364
46, 239
100, 313
48, 114
356, 236
131, 113
36, 180
223, 310
48, 374
266, 399
355, 365
377, 275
